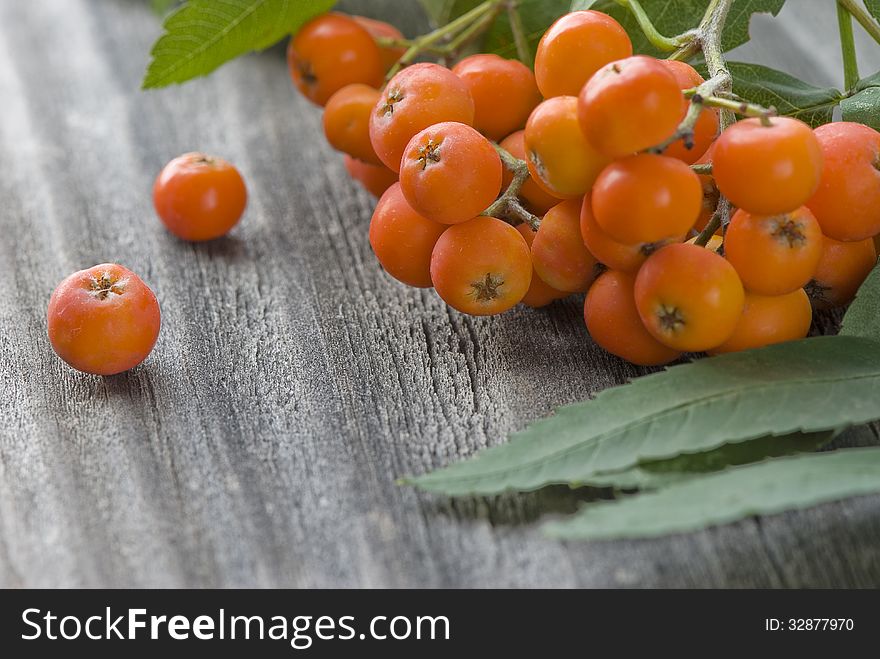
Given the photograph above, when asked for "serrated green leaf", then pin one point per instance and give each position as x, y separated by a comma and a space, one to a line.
864, 106
204, 34
760, 489
162, 7
537, 16
672, 18
863, 317
790, 96
440, 11
874, 8
817, 384
655, 474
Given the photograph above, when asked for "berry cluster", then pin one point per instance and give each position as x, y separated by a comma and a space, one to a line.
501, 185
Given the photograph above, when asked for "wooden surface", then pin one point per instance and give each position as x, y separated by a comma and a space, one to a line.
293, 381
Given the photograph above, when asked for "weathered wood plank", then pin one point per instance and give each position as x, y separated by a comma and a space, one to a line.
293, 381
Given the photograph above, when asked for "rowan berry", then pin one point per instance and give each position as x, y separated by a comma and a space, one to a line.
199, 197
330, 52
504, 93
558, 253
559, 157
843, 268
774, 254
767, 166
536, 198
450, 173
481, 267
381, 29
711, 196
347, 121
847, 202
416, 98
375, 179
706, 127
614, 323
103, 320
574, 48
540, 293
611, 253
767, 320
402, 239
689, 298
629, 106
647, 198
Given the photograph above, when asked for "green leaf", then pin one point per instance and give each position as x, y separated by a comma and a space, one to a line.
817, 384
654, 474
440, 11
675, 17
864, 106
761, 489
204, 34
162, 7
791, 97
863, 317
873, 7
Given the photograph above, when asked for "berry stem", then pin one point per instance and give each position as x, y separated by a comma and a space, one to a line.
508, 206
658, 40
519, 33
860, 13
742, 108
719, 217
704, 169
426, 42
847, 47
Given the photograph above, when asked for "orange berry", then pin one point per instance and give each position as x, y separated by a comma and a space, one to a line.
402, 239
504, 93
689, 298
767, 169
706, 128
629, 105
768, 320
330, 52
481, 267
537, 199
847, 202
843, 268
559, 157
540, 293
375, 179
574, 48
450, 173
103, 320
614, 323
558, 252
647, 198
347, 121
774, 254
379, 29
609, 252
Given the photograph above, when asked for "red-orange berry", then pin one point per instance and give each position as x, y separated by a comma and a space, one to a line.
706, 128
416, 98
689, 297
481, 267
558, 252
403, 240
330, 52
767, 166
375, 179
381, 29
199, 197
103, 320
768, 320
540, 293
504, 93
559, 157
614, 323
774, 254
347, 121
647, 198
847, 202
843, 268
574, 48
629, 106
450, 173
536, 198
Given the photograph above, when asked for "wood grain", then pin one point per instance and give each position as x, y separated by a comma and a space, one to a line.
293, 381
